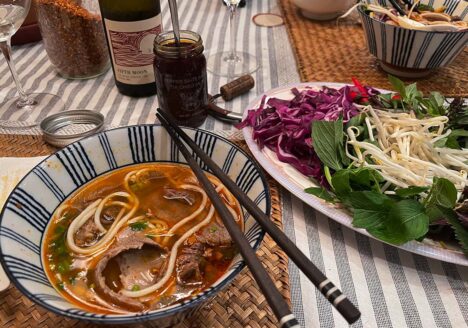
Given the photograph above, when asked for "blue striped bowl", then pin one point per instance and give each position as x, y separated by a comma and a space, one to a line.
27, 212
411, 53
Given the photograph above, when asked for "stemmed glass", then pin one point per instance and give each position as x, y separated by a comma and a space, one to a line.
232, 63
12, 15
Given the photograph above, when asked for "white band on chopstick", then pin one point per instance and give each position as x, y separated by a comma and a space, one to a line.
323, 284
285, 321
331, 291
339, 299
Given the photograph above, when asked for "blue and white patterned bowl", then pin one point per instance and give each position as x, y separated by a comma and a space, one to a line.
411, 53
27, 211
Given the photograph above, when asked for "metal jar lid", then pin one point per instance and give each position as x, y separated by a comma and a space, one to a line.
63, 128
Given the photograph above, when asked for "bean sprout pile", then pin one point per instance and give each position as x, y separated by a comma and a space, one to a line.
403, 149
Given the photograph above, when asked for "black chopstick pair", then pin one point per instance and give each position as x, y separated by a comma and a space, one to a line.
279, 306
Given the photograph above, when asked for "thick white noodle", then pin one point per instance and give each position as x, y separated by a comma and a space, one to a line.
78, 222
97, 215
172, 260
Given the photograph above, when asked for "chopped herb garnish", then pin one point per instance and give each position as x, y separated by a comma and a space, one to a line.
60, 285
135, 288
139, 225
213, 229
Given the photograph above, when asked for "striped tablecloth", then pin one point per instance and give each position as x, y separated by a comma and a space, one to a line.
392, 288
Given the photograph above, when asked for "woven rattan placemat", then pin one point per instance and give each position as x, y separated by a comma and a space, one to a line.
240, 305
331, 52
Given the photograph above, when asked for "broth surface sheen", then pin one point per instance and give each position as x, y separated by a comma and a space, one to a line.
138, 239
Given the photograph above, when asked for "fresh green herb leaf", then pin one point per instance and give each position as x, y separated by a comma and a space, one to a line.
410, 191
411, 92
213, 229
321, 193
459, 133
356, 120
461, 232
398, 85
139, 225
60, 285
135, 288
448, 142
424, 7
340, 182
327, 137
356, 179
442, 193
370, 208
406, 221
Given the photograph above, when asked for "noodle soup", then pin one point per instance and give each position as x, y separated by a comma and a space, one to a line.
138, 239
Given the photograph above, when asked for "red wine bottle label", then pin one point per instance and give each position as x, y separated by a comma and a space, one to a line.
131, 45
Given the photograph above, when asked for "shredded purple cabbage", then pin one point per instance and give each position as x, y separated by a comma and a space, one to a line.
284, 126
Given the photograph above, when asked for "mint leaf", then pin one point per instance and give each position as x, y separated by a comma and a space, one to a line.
340, 182
461, 232
356, 179
459, 133
443, 193
370, 209
321, 193
407, 221
398, 85
327, 138
411, 92
410, 191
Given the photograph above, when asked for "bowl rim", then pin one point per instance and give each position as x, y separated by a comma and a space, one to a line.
361, 11
145, 316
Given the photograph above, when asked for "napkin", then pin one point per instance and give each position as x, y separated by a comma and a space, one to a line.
12, 170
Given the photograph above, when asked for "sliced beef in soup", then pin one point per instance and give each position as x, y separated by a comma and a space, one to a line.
127, 275
214, 234
87, 235
140, 268
158, 241
189, 265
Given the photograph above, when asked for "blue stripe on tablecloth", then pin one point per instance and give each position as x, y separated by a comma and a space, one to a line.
342, 263
408, 304
294, 273
374, 285
459, 290
325, 315
430, 288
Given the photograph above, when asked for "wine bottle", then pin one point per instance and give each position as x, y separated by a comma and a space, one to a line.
131, 27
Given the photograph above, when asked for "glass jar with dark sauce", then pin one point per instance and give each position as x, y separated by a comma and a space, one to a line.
180, 72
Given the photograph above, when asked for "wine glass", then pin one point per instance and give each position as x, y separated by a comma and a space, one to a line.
12, 15
232, 63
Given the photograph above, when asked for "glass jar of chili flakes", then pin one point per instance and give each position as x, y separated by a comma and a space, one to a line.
73, 37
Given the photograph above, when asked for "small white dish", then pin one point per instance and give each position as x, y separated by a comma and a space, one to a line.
323, 10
